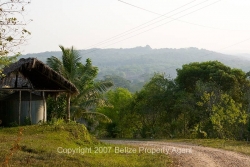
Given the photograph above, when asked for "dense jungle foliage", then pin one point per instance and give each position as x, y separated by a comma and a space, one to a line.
205, 100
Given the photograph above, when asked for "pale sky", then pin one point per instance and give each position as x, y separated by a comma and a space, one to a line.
86, 23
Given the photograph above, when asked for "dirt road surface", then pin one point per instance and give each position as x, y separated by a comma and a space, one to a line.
189, 155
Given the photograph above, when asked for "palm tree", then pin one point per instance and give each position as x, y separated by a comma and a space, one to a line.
83, 77
68, 66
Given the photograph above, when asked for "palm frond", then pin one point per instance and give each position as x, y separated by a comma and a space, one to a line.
103, 86
87, 74
96, 115
54, 63
95, 102
70, 60
95, 89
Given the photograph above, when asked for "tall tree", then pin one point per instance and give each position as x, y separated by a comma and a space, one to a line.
153, 103
220, 96
12, 29
124, 122
229, 80
83, 77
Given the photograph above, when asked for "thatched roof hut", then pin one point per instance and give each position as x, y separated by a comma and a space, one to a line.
33, 76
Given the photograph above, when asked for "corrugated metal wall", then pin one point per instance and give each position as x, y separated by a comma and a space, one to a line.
9, 109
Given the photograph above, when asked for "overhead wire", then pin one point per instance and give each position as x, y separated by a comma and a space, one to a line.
140, 25
141, 8
157, 26
196, 25
165, 17
237, 43
234, 44
179, 19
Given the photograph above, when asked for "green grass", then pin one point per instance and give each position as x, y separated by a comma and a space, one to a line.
232, 145
38, 146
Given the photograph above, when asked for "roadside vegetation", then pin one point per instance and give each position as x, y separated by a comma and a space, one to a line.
37, 145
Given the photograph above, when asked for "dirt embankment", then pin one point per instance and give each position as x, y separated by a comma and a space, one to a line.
188, 155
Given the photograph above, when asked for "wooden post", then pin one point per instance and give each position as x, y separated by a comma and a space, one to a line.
16, 80
20, 106
68, 106
30, 108
44, 107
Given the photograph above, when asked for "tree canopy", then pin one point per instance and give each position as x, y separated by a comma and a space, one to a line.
82, 75
206, 100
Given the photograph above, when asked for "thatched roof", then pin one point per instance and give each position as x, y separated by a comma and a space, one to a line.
36, 75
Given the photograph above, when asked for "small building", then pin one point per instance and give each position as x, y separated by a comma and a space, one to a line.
24, 89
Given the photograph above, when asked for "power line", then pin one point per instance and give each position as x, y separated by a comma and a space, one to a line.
140, 25
145, 24
140, 8
158, 25
237, 43
196, 25
178, 19
166, 17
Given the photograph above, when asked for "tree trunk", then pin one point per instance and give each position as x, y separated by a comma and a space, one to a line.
68, 106
20, 107
44, 107
30, 108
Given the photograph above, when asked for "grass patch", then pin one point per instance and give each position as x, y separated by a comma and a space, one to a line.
39, 145
237, 146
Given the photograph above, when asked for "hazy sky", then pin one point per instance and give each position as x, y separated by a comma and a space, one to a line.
86, 23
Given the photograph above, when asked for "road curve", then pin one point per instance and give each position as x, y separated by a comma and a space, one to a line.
189, 155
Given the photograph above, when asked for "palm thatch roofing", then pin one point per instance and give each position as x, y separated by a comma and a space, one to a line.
33, 74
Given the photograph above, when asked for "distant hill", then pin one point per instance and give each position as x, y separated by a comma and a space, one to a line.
137, 64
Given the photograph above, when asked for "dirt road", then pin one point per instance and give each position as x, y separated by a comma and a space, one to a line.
188, 155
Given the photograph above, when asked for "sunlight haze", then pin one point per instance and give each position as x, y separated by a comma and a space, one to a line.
223, 26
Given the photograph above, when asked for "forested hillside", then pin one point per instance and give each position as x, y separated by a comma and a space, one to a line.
138, 64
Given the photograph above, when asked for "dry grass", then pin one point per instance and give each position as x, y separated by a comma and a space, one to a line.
14, 149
